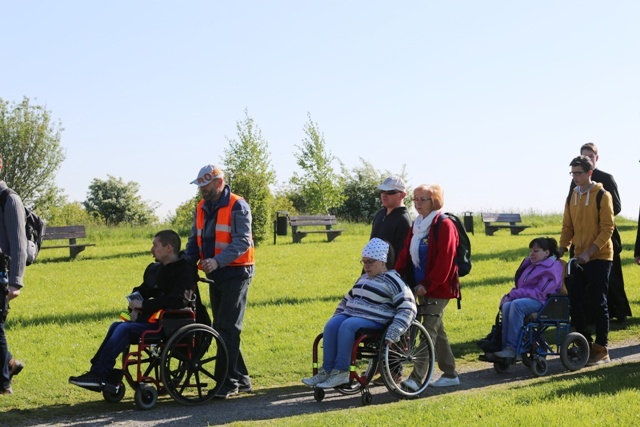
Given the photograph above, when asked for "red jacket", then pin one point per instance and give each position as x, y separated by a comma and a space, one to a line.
441, 280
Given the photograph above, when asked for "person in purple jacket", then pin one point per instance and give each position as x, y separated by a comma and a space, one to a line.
539, 275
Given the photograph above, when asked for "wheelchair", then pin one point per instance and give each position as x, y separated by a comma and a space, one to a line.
395, 362
185, 359
534, 339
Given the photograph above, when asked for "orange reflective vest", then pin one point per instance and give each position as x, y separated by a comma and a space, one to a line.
222, 232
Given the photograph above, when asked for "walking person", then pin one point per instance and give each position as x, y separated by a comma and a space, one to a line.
617, 300
392, 222
222, 244
589, 228
428, 265
13, 250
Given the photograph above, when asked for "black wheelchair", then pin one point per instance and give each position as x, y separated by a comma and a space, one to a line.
395, 362
536, 339
185, 359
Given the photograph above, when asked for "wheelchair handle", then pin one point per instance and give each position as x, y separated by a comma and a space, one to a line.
573, 264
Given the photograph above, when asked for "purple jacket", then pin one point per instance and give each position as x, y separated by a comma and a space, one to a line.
536, 281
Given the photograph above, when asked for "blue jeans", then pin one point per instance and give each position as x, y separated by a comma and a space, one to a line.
5, 356
338, 338
228, 304
513, 314
119, 337
588, 295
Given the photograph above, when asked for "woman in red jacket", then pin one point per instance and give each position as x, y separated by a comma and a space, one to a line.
428, 265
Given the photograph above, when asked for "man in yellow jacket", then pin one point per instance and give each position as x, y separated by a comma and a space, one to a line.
221, 243
588, 225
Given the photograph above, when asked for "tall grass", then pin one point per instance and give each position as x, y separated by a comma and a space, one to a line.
66, 306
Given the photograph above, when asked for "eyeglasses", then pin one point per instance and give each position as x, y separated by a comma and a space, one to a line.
389, 193
367, 262
576, 173
422, 199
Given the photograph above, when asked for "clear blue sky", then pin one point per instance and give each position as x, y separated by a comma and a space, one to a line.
490, 99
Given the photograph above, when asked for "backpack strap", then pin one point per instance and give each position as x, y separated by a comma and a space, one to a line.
3, 197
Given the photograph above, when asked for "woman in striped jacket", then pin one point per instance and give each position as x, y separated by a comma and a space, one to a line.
378, 298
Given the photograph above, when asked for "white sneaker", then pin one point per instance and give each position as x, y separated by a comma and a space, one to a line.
507, 353
446, 382
410, 385
321, 376
335, 379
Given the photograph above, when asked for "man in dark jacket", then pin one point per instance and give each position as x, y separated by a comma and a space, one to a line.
13, 247
619, 307
392, 222
167, 285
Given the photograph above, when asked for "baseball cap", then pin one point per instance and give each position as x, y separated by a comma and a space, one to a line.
207, 174
393, 183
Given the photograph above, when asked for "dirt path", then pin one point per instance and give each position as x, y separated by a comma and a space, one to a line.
273, 404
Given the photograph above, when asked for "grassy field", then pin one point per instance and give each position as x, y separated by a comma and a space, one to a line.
66, 307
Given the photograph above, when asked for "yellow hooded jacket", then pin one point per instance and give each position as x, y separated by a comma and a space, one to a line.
584, 226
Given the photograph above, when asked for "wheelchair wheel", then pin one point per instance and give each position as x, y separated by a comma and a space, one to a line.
367, 398
527, 360
539, 367
574, 352
413, 353
114, 396
194, 364
501, 367
318, 394
146, 396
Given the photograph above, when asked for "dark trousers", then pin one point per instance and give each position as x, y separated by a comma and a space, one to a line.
619, 307
5, 356
588, 296
228, 304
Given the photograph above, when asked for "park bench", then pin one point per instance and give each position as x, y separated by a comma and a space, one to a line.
71, 232
326, 221
495, 221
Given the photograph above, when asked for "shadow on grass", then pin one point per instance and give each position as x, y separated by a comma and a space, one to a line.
281, 402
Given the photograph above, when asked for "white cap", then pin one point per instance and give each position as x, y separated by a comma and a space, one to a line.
207, 174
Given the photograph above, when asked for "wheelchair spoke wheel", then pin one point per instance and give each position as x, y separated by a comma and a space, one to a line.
574, 352
194, 364
407, 365
146, 396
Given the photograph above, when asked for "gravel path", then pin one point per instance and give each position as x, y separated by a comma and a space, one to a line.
273, 404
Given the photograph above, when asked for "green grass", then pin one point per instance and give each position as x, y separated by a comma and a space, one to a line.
63, 313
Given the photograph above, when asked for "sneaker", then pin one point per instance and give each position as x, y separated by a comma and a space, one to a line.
6, 391
336, 378
598, 355
507, 353
410, 385
88, 380
245, 388
225, 392
446, 382
318, 378
15, 366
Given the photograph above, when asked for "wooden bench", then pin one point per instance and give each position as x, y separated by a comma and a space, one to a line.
495, 221
327, 221
71, 232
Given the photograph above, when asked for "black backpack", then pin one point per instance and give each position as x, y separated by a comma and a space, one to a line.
34, 228
463, 254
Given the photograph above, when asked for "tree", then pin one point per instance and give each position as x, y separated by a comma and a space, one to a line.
30, 146
115, 202
320, 187
249, 173
362, 197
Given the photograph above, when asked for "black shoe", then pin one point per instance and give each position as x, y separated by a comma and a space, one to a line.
15, 366
88, 380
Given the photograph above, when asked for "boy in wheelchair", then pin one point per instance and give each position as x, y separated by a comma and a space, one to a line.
378, 298
538, 276
168, 284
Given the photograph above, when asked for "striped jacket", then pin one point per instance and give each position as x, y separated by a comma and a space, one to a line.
385, 299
